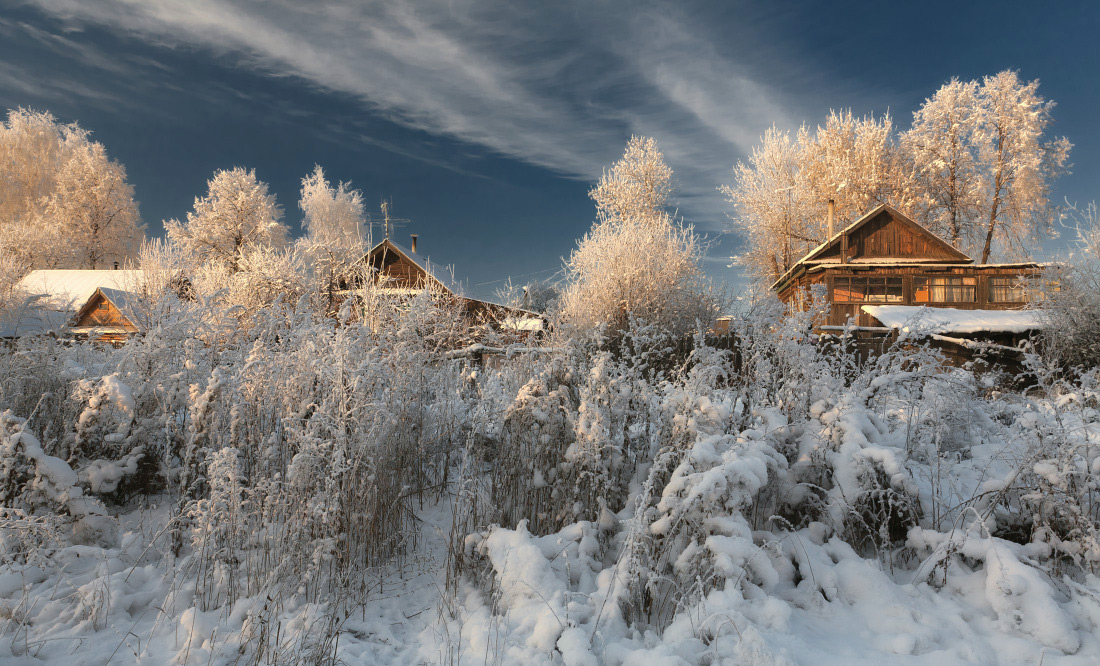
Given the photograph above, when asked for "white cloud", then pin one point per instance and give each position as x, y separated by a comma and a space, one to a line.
559, 86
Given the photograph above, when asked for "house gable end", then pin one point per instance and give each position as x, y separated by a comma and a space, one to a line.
891, 235
883, 233
398, 270
100, 312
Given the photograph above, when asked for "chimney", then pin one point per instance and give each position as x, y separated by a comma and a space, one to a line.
413, 243
116, 265
832, 214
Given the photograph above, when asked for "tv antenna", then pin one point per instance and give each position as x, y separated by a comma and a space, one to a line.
391, 222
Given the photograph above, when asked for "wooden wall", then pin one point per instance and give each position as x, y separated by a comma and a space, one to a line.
885, 237
841, 312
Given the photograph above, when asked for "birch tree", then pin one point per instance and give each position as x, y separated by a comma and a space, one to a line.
335, 225
1017, 164
636, 260
236, 215
942, 145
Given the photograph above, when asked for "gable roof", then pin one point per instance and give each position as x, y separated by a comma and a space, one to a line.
123, 300
69, 290
420, 261
813, 256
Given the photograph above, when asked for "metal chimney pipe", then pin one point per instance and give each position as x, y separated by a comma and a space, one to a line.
832, 216
116, 265
413, 243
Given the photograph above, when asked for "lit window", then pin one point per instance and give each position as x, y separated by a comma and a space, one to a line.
867, 290
1007, 290
946, 289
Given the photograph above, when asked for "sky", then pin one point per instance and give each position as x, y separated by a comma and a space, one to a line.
486, 123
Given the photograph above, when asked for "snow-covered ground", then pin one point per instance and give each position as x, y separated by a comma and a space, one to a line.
391, 505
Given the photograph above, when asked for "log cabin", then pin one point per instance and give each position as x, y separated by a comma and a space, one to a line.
51, 299
107, 316
884, 265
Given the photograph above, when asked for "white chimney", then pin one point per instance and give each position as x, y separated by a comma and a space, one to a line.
832, 215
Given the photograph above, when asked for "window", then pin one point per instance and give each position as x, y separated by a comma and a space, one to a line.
946, 289
1007, 290
868, 290
102, 306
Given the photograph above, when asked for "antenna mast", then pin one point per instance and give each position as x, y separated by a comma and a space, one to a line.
390, 223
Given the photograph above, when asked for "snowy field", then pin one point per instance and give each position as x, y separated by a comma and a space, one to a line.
310, 494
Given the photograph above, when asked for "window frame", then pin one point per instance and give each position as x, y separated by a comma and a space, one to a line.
1017, 283
871, 284
947, 287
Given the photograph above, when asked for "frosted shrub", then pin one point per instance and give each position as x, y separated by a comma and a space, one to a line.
528, 478
1058, 481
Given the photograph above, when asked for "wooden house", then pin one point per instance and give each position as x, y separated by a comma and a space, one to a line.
400, 272
885, 263
53, 298
108, 316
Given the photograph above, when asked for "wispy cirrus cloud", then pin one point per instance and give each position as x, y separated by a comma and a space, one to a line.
559, 86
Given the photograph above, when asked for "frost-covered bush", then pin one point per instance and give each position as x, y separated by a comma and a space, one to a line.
1068, 299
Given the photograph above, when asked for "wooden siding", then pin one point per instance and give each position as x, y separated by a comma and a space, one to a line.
102, 313
399, 272
885, 236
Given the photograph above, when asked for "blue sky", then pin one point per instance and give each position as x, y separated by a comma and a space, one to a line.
486, 122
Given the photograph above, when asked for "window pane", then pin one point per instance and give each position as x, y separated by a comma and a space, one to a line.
1007, 290
946, 289
849, 290
894, 290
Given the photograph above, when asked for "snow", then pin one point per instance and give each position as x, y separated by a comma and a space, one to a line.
927, 319
529, 324
730, 542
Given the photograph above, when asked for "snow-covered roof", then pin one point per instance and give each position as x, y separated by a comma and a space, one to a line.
523, 324
123, 299
18, 322
926, 319
68, 290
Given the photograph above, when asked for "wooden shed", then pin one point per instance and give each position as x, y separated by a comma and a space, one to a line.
884, 258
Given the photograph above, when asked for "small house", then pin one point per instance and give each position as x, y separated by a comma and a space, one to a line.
107, 316
884, 269
400, 272
53, 297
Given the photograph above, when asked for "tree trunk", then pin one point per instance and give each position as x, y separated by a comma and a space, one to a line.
992, 222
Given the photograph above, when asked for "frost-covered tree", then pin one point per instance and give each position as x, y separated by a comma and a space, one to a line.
32, 150
771, 197
636, 260
335, 225
95, 208
237, 214
63, 201
942, 147
1017, 164
1069, 298
639, 184
781, 195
